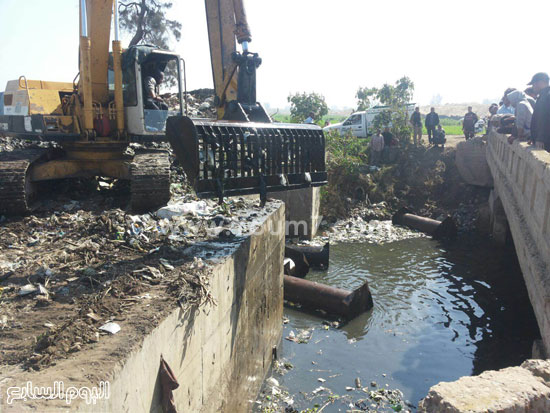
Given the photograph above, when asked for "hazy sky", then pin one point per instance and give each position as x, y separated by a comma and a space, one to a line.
466, 50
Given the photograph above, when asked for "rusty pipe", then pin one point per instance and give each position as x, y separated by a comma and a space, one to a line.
433, 227
333, 300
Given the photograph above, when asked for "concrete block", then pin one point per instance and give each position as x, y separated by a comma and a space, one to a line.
525, 388
471, 162
301, 211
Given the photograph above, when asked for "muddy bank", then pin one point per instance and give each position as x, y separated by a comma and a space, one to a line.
426, 180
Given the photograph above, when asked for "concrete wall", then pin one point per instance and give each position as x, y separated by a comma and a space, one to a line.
521, 177
219, 357
302, 211
471, 162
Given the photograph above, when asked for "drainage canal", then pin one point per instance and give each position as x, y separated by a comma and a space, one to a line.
441, 311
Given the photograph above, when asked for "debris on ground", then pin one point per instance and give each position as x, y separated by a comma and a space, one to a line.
373, 232
82, 267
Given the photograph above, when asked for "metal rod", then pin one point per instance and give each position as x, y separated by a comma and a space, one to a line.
84, 19
119, 99
330, 299
116, 19
184, 85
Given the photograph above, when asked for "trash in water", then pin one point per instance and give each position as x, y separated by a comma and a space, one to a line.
302, 338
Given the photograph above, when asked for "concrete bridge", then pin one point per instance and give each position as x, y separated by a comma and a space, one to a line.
521, 200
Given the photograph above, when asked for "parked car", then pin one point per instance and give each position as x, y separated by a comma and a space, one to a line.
360, 123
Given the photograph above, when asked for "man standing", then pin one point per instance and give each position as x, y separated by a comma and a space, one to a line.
531, 96
376, 148
469, 124
524, 113
540, 122
416, 121
388, 138
432, 120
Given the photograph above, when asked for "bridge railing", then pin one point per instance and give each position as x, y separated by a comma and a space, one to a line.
521, 177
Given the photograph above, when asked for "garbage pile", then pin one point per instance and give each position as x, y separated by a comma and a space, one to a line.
198, 103
70, 277
357, 229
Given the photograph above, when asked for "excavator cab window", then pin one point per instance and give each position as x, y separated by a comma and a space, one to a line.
160, 88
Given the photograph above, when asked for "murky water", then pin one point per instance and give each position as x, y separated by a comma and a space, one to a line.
440, 312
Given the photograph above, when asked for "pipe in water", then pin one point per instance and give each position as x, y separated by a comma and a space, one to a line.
435, 228
330, 299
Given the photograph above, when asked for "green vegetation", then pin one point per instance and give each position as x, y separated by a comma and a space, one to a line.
146, 21
302, 104
396, 97
451, 126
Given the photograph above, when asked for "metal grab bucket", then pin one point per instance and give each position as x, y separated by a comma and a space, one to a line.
226, 158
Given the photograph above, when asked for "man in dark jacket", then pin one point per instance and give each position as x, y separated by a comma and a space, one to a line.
540, 122
469, 124
431, 122
416, 121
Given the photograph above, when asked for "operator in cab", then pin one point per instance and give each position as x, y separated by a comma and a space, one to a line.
151, 90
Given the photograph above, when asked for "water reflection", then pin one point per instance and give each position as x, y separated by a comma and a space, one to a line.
440, 312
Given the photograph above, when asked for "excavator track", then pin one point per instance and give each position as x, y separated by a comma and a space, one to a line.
16, 189
150, 180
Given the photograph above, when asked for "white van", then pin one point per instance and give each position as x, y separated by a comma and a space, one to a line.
360, 123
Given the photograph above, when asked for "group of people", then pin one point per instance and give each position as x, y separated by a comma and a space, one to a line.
531, 111
381, 145
436, 133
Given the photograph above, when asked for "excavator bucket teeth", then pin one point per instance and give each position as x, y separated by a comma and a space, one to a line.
225, 158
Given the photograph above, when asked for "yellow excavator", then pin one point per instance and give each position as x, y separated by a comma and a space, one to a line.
94, 118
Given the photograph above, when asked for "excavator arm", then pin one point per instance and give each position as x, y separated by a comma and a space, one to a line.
95, 30
234, 73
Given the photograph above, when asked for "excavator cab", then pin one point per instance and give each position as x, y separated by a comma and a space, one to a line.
146, 119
